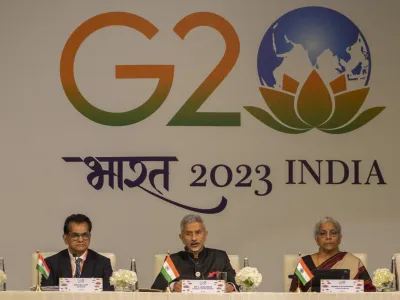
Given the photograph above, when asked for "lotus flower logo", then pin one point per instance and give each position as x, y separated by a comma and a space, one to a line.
330, 59
313, 107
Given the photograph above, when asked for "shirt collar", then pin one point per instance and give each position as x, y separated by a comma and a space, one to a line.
202, 253
83, 256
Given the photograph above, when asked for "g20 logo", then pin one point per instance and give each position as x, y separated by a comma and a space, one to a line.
300, 53
187, 115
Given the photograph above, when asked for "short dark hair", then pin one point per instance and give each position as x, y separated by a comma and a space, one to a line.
77, 218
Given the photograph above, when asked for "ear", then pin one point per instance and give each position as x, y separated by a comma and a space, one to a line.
65, 239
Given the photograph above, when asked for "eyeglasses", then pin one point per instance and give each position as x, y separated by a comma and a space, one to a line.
189, 234
332, 233
75, 236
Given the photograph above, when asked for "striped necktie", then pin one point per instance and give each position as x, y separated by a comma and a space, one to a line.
78, 267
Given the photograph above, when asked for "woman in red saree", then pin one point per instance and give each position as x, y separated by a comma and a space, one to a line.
328, 237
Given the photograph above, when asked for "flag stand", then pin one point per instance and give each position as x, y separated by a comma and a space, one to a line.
298, 290
38, 288
167, 289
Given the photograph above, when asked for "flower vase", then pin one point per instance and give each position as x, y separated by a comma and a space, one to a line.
385, 288
247, 289
124, 288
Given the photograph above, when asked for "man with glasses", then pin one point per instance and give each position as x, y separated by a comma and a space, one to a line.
78, 261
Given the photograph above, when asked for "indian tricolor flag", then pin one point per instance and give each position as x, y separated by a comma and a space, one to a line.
303, 272
42, 266
168, 270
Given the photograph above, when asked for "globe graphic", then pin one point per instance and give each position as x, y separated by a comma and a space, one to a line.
314, 38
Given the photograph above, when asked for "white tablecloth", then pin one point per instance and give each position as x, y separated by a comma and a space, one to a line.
164, 296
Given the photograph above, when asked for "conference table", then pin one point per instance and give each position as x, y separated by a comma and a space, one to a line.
21, 295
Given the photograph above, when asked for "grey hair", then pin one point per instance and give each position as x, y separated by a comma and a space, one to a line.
191, 219
326, 220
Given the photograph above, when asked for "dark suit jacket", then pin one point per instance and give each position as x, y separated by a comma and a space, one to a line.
208, 263
95, 266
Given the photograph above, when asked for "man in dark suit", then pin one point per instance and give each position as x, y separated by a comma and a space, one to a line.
197, 261
78, 261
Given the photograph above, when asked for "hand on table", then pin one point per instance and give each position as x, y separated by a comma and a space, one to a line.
229, 288
178, 287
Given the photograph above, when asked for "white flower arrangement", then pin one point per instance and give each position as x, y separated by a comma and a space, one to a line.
249, 278
3, 277
123, 278
382, 277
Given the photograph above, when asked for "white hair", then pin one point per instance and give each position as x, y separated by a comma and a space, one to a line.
326, 220
191, 219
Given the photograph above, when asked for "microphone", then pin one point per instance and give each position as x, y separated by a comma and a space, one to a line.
199, 275
197, 272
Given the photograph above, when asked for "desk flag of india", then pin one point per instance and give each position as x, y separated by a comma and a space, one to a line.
42, 266
303, 272
168, 270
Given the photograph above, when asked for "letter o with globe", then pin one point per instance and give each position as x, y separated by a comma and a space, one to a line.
314, 66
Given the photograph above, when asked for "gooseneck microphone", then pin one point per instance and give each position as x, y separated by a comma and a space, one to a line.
197, 272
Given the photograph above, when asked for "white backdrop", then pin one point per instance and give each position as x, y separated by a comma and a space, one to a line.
39, 126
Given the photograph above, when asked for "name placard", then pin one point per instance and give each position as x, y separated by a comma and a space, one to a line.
342, 286
81, 285
203, 286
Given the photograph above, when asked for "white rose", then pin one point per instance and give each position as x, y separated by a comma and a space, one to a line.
382, 277
123, 278
3, 277
248, 276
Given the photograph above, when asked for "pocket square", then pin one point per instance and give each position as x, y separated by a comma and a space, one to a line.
213, 274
